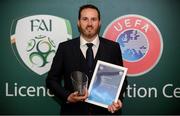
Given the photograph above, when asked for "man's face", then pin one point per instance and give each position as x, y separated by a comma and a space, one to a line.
89, 23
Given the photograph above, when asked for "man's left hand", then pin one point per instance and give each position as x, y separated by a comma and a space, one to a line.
115, 106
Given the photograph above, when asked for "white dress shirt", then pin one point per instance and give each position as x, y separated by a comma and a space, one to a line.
84, 47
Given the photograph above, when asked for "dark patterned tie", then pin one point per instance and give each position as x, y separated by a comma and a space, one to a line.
89, 54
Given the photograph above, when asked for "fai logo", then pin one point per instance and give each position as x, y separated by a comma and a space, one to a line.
140, 41
35, 39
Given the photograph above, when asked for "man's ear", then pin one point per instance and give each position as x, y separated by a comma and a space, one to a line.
78, 23
100, 23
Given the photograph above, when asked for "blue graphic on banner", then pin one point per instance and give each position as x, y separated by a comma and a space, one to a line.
133, 44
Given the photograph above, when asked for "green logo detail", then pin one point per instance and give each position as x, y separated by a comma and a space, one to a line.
41, 49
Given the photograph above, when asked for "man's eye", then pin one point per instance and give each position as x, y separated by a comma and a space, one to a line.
84, 19
94, 19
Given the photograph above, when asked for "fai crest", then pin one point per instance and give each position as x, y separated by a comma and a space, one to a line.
35, 39
140, 42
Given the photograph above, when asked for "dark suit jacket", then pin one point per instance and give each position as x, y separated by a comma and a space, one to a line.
69, 58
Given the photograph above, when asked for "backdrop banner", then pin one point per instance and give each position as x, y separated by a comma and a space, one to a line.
147, 31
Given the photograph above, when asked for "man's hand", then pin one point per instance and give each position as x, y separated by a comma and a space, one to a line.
115, 106
75, 97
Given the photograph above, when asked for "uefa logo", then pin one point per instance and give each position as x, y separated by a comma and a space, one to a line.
140, 42
35, 39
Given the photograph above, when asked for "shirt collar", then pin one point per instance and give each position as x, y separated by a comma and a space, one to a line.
95, 42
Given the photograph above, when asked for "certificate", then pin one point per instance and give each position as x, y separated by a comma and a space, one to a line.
106, 84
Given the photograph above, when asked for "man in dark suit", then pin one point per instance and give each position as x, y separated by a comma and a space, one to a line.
71, 56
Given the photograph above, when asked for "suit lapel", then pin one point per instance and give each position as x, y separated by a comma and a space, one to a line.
99, 54
77, 54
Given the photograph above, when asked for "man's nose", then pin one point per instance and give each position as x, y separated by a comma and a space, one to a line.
89, 22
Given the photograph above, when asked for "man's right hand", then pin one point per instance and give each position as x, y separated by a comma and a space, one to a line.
75, 97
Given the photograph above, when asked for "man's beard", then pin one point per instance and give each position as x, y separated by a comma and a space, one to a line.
87, 34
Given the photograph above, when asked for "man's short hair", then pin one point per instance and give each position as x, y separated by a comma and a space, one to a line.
88, 6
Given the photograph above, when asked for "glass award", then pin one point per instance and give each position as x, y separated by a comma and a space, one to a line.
79, 81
